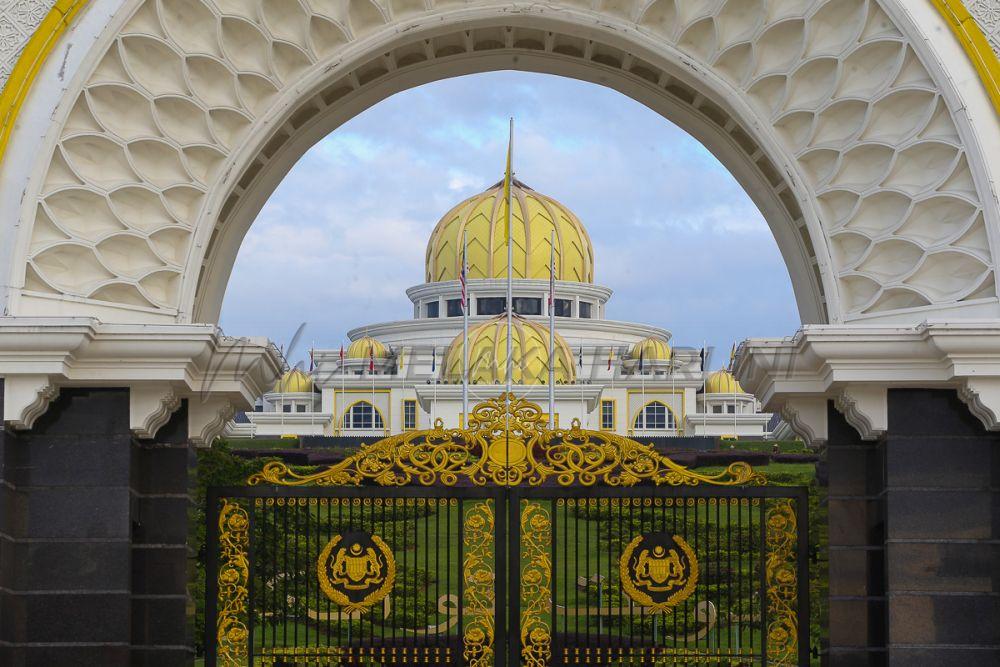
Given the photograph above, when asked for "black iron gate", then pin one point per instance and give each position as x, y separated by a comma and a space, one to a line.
553, 548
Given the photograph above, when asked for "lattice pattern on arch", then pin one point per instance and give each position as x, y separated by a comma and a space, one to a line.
184, 81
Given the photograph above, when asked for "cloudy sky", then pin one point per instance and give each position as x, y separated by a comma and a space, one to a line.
674, 235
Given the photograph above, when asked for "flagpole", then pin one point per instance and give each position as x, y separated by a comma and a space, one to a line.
552, 332
510, 259
465, 329
704, 387
343, 390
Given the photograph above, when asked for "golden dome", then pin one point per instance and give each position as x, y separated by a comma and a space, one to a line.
722, 382
482, 218
293, 382
653, 348
359, 349
529, 348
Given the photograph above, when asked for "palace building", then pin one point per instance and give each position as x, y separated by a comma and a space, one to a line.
623, 377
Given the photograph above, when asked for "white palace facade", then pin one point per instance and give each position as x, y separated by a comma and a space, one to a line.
610, 375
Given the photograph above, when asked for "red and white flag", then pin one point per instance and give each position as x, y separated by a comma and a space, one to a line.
371, 358
462, 279
341, 354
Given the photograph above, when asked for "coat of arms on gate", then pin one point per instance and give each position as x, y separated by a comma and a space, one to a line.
658, 570
356, 570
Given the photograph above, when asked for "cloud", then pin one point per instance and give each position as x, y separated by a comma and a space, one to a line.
344, 234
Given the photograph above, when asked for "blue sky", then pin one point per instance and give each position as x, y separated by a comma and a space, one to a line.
674, 234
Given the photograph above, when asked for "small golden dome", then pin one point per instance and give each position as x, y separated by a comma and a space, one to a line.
535, 217
722, 382
653, 348
529, 349
362, 347
293, 382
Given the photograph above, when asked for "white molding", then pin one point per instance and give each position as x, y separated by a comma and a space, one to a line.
855, 365
207, 419
26, 398
807, 417
160, 364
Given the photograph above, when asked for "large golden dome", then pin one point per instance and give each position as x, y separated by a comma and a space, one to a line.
534, 218
652, 348
367, 346
529, 349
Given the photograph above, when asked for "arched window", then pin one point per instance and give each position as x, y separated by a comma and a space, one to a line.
363, 415
655, 415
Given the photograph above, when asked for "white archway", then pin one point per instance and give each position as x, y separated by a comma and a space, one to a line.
835, 115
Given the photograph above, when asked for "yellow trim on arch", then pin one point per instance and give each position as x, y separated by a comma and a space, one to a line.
976, 46
30, 61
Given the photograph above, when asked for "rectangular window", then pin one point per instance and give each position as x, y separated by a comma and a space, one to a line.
300, 408
564, 307
286, 408
731, 409
717, 409
585, 309
491, 305
526, 306
409, 414
607, 415
432, 309
454, 307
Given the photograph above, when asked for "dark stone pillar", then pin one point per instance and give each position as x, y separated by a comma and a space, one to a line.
89, 537
160, 632
856, 555
942, 533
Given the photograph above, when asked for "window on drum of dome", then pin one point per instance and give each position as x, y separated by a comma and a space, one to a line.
363, 415
409, 414
454, 307
300, 408
655, 416
491, 305
585, 310
717, 409
564, 308
526, 306
731, 409
286, 408
607, 415
431, 309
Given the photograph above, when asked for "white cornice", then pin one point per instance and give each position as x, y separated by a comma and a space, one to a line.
161, 363
491, 287
854, 365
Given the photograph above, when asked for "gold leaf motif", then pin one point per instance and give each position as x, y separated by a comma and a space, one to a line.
536, 584
782, 583
233, 578
506, 444
477, 569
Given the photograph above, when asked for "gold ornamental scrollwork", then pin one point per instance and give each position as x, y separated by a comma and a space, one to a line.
479, 578
658, 570
506, 444
782, 583
233, 580
536, 584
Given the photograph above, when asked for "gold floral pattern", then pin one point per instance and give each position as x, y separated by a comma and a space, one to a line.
536, 584
507, 443
782, 583
480, 596
233, 578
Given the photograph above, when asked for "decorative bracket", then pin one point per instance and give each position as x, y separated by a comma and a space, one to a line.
982, 395
207, 417
150, 407
865, 408
26, 398
808, 418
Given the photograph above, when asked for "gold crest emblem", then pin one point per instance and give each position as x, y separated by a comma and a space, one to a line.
356, 570
658, 570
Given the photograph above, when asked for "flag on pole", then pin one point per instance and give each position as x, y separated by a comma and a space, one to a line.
434, 357
312, 360
507, 178
462, 279
371, 358
732, 356
611, 354
580, 361
341, 354
641, 352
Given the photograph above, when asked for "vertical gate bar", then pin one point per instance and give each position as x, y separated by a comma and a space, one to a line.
554, 600
762, 561
211, 577
461, 575
718, 574
327, 535
623, 539
252, 567
729, 574
673, 528
447, 568
607, 582
570, 586
576, 572
295, 580
427, 566
803, 557
340, 528
416, 567
586, 574
273, 522
305, 565
437, 565
739, 572
503, 555
284, 575
600, 588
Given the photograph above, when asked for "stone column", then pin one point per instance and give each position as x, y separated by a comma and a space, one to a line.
100, 422
942, 490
